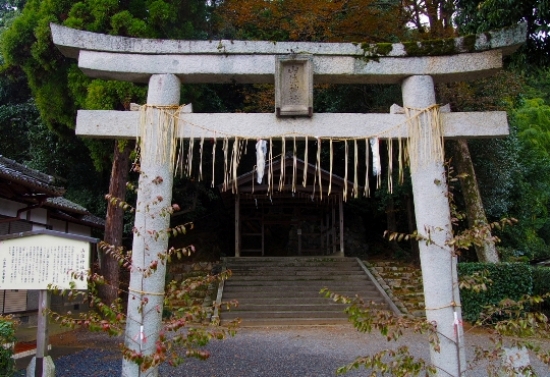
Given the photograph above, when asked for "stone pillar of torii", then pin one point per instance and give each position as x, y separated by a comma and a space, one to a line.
166, 64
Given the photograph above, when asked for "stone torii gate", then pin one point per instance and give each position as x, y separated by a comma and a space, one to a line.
165, 64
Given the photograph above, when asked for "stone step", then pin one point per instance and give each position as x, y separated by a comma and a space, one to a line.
317, 259
258, 322
269, 285
302, 307
293, 270
300, 296
287, 290
283, 314
292, 263
319, 300
318, 277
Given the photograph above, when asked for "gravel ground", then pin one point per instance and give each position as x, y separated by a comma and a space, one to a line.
265, 352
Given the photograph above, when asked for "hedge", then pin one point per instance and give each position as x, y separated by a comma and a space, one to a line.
509, 280
541, 286
7, 337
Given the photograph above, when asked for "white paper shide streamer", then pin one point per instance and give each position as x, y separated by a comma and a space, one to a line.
375, 148
261, 152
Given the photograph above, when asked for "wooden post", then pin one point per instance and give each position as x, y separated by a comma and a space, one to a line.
42, 337
238, 226
322, 228
263, 237
299, 233
333, 229
341, 218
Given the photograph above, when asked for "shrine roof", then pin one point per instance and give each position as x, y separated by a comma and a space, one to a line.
18, 179
249, 188
23, 184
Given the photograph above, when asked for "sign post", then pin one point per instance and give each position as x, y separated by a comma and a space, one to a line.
42, 260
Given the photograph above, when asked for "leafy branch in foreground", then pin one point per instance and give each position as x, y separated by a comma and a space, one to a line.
369, 316
183, 333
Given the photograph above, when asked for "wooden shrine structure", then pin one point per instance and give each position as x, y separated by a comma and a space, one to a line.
298, 220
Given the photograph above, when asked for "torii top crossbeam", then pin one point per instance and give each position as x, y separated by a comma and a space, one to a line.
133, 59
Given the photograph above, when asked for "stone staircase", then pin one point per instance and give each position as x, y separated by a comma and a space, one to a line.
403, 283
285, 290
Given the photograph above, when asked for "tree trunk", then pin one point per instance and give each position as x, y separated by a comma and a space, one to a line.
472, 198
114, 222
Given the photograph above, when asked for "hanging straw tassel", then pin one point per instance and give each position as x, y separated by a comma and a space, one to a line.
225, 163
270, 172
318, 168
425, 135
401, 161
167, 119
355, 173
304, 182
283, 165
180, 159
201, 147
235, 158
190, 156
294, 166
214, 161
367, 168
390, 165
330, 172
346, 170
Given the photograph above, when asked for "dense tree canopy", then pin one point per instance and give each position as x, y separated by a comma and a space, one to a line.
311, 20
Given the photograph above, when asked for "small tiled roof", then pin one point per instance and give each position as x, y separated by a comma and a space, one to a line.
21, 183
28, 182
70, 211
87, 219
66, 205
93, 220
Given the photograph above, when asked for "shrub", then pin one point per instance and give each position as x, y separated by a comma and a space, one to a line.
7, 337
541, 286
509, 280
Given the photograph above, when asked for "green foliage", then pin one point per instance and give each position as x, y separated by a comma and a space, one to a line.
477, 16
368, 316
541, 286
530, 196
16, 120
509, 280
7, 336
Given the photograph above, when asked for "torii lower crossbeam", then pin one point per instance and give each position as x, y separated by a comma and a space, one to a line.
124, 125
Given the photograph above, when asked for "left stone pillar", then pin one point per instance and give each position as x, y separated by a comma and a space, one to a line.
154, 196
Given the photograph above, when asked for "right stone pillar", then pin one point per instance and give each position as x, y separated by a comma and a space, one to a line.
433, 219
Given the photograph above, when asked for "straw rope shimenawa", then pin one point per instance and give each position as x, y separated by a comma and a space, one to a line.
424, 144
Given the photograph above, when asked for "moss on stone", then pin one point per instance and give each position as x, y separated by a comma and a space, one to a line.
375, 51
431, 48
469, 42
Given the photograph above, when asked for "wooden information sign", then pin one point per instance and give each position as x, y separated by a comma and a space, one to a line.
38, 259
41, 260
